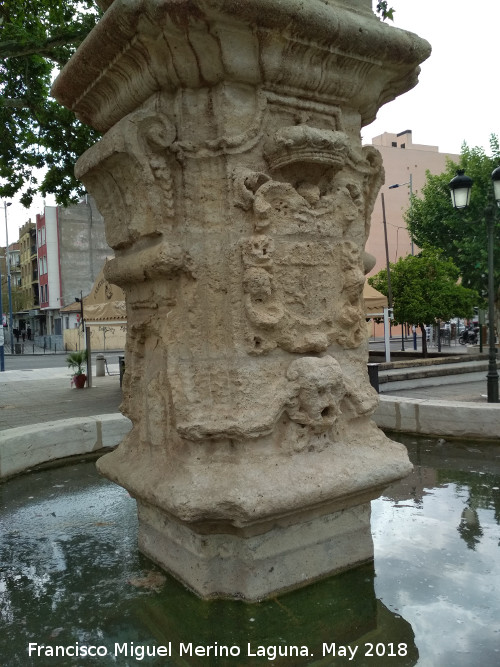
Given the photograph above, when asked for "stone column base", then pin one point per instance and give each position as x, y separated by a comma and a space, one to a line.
251, 565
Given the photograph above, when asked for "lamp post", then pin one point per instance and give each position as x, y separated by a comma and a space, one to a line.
86, 340
9, 287
80, 301
460, 189
398, 185
387, 263
393, 187
388, 313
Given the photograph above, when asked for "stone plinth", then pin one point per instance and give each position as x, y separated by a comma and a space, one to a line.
237, 197
283, 554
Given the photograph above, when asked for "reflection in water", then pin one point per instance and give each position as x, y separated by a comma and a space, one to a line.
70, 574
441, 575
469, 527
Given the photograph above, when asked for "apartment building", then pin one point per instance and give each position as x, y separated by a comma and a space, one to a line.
28, 313
10, 260
405, 164
71, 251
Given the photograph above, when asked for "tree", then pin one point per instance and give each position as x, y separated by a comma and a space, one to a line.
462, 235
36, 38
425, 289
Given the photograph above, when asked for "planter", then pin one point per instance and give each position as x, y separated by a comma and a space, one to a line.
79, 380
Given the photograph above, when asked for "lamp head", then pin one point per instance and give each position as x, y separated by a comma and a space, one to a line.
495, 177
460, 188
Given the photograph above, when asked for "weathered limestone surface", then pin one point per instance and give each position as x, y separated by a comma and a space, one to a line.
237, 198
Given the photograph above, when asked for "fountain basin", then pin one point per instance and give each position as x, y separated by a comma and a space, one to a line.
71, 574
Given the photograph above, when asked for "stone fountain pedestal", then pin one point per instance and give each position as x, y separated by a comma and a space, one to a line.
237, 197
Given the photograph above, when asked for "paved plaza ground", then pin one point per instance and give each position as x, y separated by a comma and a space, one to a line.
45, 394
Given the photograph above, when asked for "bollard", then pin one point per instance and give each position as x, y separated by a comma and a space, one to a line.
99, 365
373, 376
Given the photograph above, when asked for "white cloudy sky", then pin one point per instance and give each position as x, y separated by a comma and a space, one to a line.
456, 100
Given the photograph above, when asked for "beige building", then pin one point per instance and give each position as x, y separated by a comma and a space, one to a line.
29, 266
405, 163
13, 257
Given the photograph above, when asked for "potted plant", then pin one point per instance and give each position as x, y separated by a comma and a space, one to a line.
75, 361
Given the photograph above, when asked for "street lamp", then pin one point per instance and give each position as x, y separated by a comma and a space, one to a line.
398, 185
7, 255
388, 313
393, 187
387, 263
495, 177
460, 188
80, 301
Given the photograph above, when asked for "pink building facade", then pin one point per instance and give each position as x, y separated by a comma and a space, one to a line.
405, 163
49, 277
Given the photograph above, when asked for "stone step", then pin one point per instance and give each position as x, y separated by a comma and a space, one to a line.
438, 370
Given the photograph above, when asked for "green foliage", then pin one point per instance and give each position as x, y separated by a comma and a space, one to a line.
425, 288
462, 235
36, 38
385, 11
76, 360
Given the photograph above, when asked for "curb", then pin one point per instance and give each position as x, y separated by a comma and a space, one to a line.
426, 381
25, 447
450, 419
430, 361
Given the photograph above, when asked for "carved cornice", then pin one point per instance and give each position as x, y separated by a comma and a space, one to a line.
319, 49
